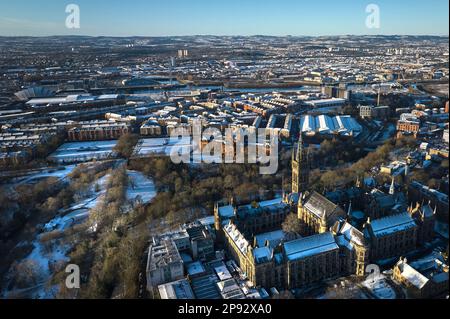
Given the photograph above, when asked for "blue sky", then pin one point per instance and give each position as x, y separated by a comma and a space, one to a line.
223, 17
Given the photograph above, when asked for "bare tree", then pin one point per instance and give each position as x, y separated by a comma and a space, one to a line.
292, 225
26, 274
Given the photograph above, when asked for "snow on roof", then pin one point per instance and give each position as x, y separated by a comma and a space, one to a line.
273, 206
262, 254
274, 238
326, 102
108, 96
325, 124
237, 237
352, 234
176, 290
207, 220
195, 268
342, 241
308, 124
319, 205
226, 211
227, 286
413, 276
222, 272
309, 246
392, 224
272, 202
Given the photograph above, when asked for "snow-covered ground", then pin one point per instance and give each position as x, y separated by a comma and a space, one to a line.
152, 146
140, 186
54, 251
41, 258
60, 173
80, 210
379, 287
61, 223
167, 146
83, 151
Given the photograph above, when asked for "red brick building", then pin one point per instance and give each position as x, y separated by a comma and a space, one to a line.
411, 127
98, 132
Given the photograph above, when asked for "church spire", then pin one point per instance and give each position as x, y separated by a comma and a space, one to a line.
300, 168
300, 146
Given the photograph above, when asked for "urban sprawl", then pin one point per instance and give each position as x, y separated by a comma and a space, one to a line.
358, 207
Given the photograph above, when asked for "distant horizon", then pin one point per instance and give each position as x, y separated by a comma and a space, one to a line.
224, 35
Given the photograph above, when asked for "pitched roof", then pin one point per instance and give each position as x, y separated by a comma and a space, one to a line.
237, 237
309, 246
352, 234
274, 238
392, 224
226, 211
273, 206
262, 254
320, 205
440, 278
413, 276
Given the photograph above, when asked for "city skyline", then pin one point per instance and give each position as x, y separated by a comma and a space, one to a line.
212, 151
288, 17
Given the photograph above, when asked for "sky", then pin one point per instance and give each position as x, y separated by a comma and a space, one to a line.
223, 17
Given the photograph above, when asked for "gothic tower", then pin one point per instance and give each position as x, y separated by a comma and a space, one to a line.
300, 168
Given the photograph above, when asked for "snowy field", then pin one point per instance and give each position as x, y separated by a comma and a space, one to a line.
165, 147
140, 186
158, 146
83, 151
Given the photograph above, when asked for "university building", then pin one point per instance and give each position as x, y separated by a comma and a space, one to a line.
330, 244
391, 236
317, 214
424, 278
